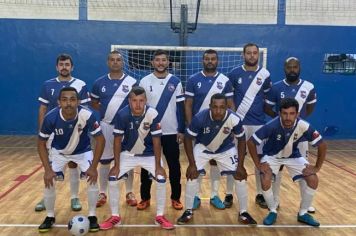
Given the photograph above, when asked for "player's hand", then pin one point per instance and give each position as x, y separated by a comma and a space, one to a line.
160, 173
192, 172
264, 168
48, 177
180, 138
114, 171
309, 170
241, 173
92, 175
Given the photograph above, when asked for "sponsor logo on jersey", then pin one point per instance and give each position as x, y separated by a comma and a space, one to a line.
219, 85
303, 94
316, 134
146, 125
171, 87
226, 130
125, 88
259, 81
80, 128
295, 137
239, 81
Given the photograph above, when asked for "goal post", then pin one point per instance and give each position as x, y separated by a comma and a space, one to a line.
184, 61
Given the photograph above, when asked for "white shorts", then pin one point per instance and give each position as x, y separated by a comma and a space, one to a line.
227, 161
294, 166
249, 131
108, 154
129, 161
59, 162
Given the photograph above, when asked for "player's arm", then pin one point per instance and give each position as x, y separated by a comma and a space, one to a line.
310, 108
49, 174
268, 109
92, 172
188, 107
241, 150
41, 114
231, 104
192, 172
160, 173
95, 104
252, 149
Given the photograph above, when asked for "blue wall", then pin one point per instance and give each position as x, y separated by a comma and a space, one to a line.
28, 49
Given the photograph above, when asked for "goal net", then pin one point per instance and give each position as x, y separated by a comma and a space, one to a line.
184, 61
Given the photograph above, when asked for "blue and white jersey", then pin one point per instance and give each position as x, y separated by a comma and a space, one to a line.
70, 136
51, 88
250, 89
303, 92
215, 135
167, 97
137, 131
200, 88
112, 95
282, 142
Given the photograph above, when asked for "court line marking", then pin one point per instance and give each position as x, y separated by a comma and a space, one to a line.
196, 226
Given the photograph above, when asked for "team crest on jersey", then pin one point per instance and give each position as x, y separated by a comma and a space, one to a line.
96, 125
171, 87
259, 81
239, 81
146, 125
219, 85
80, 128
303, 94
226, 130
295, 137
125, 88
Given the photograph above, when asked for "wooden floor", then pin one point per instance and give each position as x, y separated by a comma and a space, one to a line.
21, 187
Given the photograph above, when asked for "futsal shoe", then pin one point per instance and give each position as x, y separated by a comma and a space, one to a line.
46, 225
143, 204
93, 224
40, 206
246, 218
75, 204
196, 203
163, 222
176, 204
308, 219
187, 215
260, 200
217, 203
229, 199
270, 218
110, 223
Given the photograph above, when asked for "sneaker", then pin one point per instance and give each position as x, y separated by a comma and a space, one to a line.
187, 215
260, 200
130, 199
229, 199
102, 198
308, 219
75, 204
93, 224
196, 203
40, 206
176, 204
46, 225
311, 210
270, 218
143, 204
246, 219
217, 203
110, 223
163, 222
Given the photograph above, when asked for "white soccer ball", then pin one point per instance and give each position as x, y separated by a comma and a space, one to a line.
78, 225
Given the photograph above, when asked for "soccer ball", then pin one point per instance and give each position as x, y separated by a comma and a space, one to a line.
78, 225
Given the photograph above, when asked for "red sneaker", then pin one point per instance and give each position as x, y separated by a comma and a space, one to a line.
110, 223
163, 222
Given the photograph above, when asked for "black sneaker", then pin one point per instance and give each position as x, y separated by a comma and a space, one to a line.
229, 199
187, 215
46, 225
93, 224
260, 200
246, 219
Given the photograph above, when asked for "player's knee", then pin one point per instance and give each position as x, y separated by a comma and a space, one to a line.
312, 181
72, 164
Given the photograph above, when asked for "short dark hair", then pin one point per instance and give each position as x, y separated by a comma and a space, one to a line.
287, 103
218, 96
63, 57
250, 45
291, 59
114, 52
160, 52
137, 90
65, 89
210, 51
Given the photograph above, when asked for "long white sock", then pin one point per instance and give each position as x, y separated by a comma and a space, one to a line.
191, 190
307, 199
74, 182
49, 200
200, 180
229, 184
160, 197
241, 193
129, 181
258, 181
114, 197
214, 180
268, 195
104, 177
93, 192
276, 186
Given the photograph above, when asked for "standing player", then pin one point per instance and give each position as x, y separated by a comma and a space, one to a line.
109, 95
165, 93
251, 84
71, 125
48, 100
292, 87
283, 134
199, 89
137, 143
214, 130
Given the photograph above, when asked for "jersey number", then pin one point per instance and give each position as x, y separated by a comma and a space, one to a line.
206, 130
282, 95
58, 131
52, 91
234, 159
103, 89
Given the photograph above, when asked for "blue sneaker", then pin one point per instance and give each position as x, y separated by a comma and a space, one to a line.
308, 219
217, 203
196, 203
270, 218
